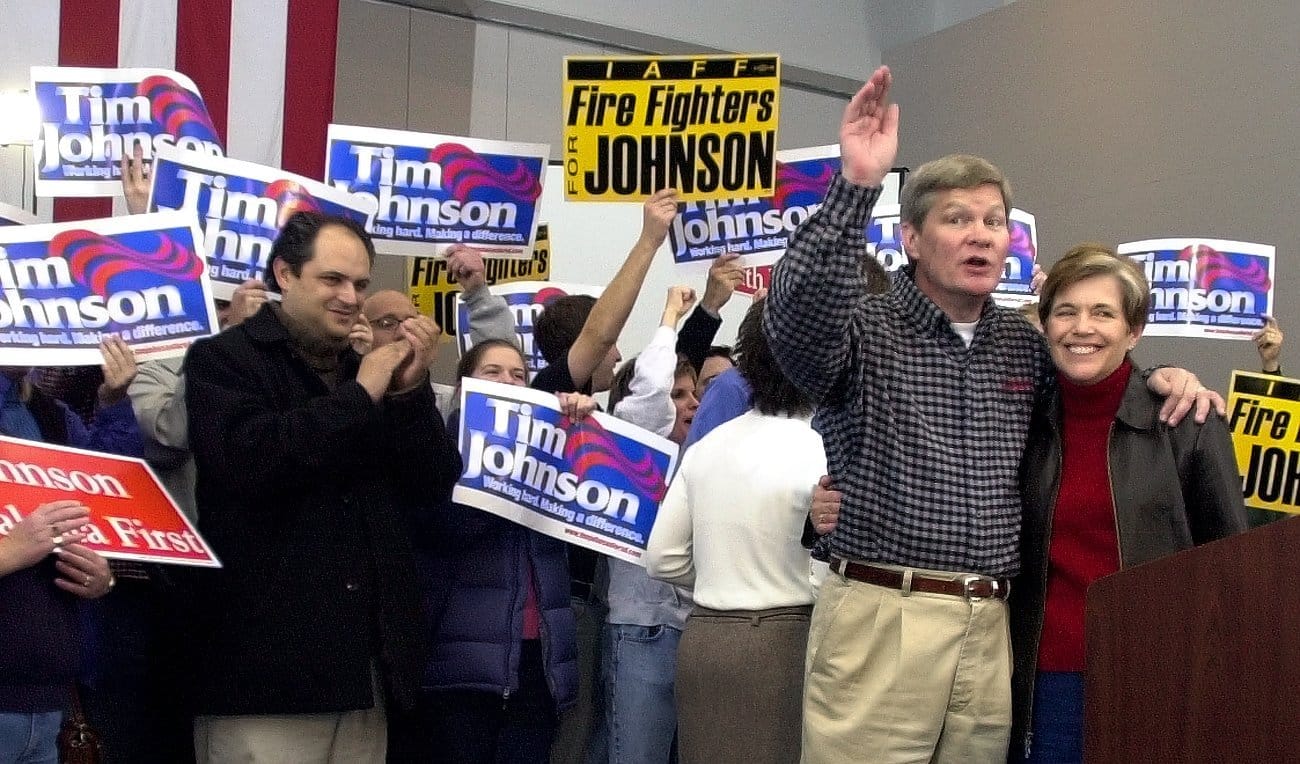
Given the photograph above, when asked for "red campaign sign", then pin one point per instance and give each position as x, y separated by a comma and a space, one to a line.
131, 516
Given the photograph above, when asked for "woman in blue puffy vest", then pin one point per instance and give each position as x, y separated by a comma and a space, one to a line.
503, 658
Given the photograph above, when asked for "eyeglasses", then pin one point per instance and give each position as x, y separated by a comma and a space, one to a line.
388, 323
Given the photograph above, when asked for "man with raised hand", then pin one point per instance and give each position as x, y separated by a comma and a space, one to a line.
307, 452
924, 396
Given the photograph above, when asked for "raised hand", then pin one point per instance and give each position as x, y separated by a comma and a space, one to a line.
869, 132
135, 181
660, 209
119, 369
679, 302
1268, 341
465, 263
725, 274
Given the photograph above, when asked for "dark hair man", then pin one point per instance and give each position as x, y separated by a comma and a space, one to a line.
305, 452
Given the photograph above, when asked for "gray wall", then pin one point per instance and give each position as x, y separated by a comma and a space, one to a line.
1120, 120
419, 69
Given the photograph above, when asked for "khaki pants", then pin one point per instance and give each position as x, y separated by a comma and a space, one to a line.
902, 679
349, 737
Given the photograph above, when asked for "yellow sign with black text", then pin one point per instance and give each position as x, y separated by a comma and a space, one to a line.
1264, 417
433, 289
704, 125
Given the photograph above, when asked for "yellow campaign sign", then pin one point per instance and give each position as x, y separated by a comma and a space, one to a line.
1264, 417
704, 125
433, 289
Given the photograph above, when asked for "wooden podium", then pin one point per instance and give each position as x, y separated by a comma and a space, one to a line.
1196, 657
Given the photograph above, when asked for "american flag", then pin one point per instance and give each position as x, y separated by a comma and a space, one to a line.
265, 68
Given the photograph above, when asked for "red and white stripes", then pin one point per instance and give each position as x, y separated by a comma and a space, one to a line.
265, 67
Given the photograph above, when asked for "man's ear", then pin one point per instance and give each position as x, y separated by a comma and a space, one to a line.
281, 270
910, 235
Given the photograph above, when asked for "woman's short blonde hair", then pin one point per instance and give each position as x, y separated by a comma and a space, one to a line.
1093, 259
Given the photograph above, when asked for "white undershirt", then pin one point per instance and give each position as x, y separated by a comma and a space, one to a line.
965, 330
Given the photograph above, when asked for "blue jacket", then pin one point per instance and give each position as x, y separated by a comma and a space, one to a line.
40, 626
473, 571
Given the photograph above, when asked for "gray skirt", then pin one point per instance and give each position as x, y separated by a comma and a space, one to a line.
739, 685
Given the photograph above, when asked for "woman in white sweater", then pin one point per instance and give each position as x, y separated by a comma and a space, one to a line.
731, 527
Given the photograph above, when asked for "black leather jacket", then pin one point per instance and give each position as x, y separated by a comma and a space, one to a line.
1173, 488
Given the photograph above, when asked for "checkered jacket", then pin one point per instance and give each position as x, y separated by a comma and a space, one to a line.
923, 435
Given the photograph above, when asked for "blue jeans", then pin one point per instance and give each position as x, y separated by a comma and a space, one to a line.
1058, 718
640, 663
30, 738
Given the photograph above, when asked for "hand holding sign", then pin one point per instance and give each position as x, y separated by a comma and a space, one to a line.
465, 264
1269, 343
660, 209
135, 181
43, 531
84, 573
869, 132
246, 301
119, 369
575, 406
725, 274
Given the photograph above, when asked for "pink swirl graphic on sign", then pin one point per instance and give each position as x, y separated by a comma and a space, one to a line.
290, 197
464, 172
179, 111
791, 181
590, 446
1223, 270
548, 295
1022, 244
95, 260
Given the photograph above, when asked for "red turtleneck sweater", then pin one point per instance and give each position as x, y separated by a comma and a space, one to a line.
1085, 542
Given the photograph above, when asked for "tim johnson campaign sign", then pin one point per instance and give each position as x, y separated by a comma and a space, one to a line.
90, 118
597, 483
240, 207
527, 300
432, 191
64, 285
1209, 288
131, 516
885, 241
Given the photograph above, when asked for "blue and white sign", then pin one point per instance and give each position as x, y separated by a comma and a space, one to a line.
240, 207
65, 285
91, 118
597, 483
885, 242
432, 191
527, 300
1208, 288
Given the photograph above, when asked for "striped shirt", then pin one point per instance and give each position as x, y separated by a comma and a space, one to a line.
923, 434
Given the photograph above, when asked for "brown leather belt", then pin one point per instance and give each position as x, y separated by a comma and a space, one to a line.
971, 587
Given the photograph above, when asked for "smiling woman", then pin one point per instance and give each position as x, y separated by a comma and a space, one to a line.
1106, 485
